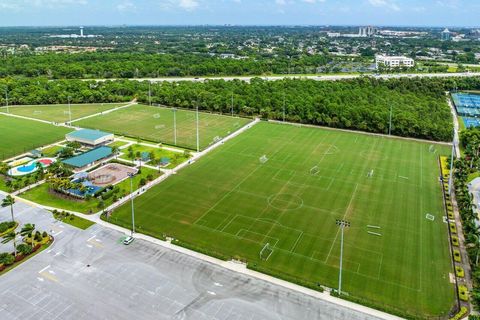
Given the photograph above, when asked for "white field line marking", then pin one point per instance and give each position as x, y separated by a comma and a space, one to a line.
338, 229
44, 269
296, 242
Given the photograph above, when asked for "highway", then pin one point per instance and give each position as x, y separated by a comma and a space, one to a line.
309, 77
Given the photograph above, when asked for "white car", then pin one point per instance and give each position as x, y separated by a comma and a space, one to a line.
128, 240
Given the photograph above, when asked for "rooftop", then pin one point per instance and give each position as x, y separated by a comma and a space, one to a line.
88, 134
89, 157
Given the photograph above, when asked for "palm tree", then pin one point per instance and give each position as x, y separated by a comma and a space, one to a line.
115, 151
11, 236
9, 201
28, 230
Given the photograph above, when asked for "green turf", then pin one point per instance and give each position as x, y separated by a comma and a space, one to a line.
176, 158
230, 203
59, 112
23, 135
156, 124
78, 222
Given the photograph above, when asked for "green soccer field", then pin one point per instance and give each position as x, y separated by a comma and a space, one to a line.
157, 124
20, 135
59, 112
230, 203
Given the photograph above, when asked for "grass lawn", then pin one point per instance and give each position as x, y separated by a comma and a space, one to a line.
59, 112
117, 144
176, 158
24, 135
41, 195
75, 221
156, 124
51, 151
232, 204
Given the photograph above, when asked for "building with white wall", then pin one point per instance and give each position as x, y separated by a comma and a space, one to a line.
394, 61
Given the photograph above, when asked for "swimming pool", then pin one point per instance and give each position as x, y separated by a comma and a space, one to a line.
30, 167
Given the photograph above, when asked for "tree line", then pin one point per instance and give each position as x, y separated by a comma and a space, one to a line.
418, 105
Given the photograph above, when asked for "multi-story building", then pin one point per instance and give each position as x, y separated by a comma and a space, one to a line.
394, 61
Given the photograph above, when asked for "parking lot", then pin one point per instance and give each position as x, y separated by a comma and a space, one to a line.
91, 275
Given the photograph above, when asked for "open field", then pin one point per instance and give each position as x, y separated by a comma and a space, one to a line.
59, 112
231, 204
19, 135
156, 124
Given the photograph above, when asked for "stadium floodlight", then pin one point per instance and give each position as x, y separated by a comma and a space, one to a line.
6, 98
284, 102
450, 178
198, 133
150, 93
174, 126
70, 110
390, 124
131, 175
342, 224
231, 107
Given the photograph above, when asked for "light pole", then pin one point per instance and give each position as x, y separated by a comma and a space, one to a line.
232, 105
175, 126
390, 125
69, 110
450, 178
342, 224
150, 93
131, 198
198, 137
6, 99
284, 102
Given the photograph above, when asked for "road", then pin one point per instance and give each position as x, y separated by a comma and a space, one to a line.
310, 77
91, 275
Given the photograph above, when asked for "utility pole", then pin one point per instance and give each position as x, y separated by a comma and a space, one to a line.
390, 125
150, 93
175, 126
69, 110
198, 137
342, 224
450, 178
131, 198
6, 99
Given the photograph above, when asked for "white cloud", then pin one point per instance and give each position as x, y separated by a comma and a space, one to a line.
126, 6
389, 4
188, 5
22, 4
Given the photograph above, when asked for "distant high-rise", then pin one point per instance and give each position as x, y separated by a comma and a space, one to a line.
446, 35
366, 31
81, 31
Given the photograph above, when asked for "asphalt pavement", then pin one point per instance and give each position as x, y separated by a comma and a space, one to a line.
91, 275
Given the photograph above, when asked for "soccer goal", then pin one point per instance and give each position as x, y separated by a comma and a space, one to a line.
432, 149
266, 252
314, 171
217, 138
263, 159
65, 112
370, 173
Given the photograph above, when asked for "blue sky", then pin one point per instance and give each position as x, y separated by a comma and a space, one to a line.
260, 12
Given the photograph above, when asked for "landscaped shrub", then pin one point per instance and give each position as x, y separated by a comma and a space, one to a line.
453, 227
6, 259
462, 313
463, 293
45, 234
455, 240
24, 249
4, 226
456, 255
19, 257
459, 271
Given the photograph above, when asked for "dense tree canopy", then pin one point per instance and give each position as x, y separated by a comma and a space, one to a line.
419, 107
